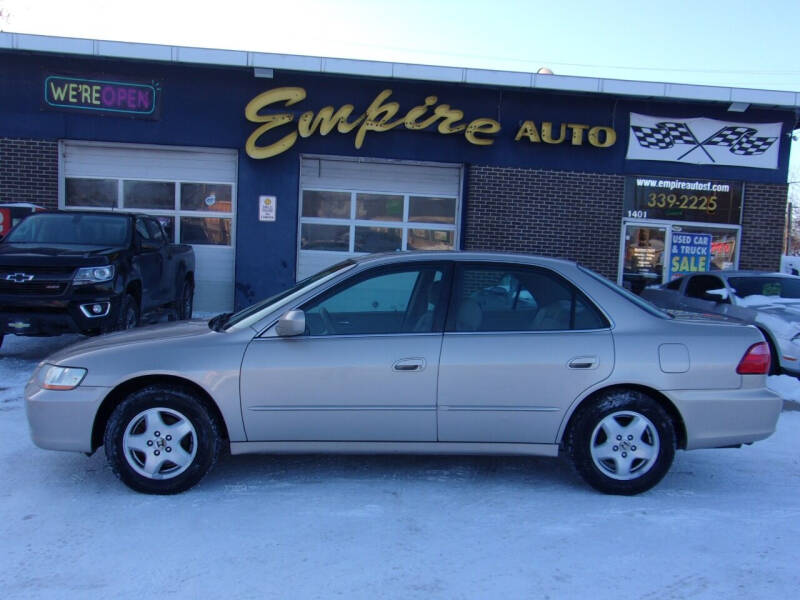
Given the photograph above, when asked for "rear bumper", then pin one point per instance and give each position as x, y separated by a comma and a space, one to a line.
726, 418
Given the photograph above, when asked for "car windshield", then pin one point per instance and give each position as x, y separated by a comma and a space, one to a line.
72, 229
766, 287
254, 313
640, 302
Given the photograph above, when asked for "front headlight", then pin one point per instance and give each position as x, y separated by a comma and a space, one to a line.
94, 274
62, 378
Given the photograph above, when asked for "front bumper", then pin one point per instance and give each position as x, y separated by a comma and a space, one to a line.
714, 419
55, 318
62, 420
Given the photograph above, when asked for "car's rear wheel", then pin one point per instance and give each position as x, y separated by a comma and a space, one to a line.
161, 440
622, 443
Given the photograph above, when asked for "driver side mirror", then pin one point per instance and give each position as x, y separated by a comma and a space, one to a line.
291, 324
720, 295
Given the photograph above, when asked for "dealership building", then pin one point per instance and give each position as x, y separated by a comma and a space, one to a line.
275, 166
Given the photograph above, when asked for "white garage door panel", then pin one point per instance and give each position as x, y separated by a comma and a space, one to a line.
213, 293
389, 177
88, 160
214, 271
380, 177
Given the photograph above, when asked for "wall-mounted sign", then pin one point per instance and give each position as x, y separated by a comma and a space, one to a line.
704, 141
5, 220
383, 115
102, 96
672, 199
267, 206
690, 253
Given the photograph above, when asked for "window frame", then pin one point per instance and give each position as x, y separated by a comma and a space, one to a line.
175, 213
353, 222
440, 312
507, 267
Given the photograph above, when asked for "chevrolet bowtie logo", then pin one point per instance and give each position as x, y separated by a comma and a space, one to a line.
19, 277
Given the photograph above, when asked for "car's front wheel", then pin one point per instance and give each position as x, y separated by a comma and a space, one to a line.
161, 440
622, 443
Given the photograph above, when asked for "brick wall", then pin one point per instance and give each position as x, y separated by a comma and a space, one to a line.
552, 213
763, 226
29, 171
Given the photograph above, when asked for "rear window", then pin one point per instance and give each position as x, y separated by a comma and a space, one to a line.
640, 302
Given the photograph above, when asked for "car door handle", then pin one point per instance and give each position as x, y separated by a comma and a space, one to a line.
583, 362
409, 364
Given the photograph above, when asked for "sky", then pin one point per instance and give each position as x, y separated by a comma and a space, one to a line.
714, 42
731, 43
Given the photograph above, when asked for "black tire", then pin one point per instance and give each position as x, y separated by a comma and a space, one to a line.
128, 317
161, 440
622, 443
184, 302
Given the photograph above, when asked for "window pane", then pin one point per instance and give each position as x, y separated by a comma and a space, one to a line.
381, 304
497, 299
379, 207
168, 223
91, 192
331, 205
430, 239
207, 196
325, 237
378, 239
148, 194
423, 209
206, 230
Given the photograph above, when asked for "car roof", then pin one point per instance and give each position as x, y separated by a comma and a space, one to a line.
752, 274
106, 213
461, 256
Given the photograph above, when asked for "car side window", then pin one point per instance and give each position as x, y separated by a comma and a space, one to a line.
499, 298
675, 284
141, 229
699, 285
409, 300
156, 233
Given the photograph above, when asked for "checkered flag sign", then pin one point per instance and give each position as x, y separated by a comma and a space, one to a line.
704, 141
750, 146
663, 135
728, 136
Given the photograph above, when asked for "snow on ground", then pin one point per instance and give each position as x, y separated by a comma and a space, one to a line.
722, 524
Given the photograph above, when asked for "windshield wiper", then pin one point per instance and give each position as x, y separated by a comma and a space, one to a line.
218, 322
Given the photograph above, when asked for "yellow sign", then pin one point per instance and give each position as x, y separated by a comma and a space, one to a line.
382, 115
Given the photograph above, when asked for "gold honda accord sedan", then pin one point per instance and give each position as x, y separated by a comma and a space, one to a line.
435, 352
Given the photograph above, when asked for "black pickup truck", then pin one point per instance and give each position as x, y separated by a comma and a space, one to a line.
91, 272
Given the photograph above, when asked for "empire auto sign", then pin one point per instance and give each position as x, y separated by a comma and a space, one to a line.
277, 132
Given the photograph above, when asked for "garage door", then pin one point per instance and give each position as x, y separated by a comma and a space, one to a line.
351, 207
192, 191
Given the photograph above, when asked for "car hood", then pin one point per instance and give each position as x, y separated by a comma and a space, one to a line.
153, 334
65, 255
788, 311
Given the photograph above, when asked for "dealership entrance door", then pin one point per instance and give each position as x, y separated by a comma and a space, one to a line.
646, 248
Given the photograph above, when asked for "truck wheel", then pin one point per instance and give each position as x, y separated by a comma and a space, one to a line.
128, 313
623, 443
185, 300
161, 440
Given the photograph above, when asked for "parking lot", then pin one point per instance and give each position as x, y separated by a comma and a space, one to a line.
723, 523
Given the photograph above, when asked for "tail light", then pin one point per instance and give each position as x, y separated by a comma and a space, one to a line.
755, 361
